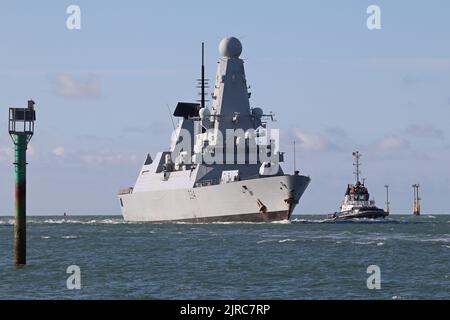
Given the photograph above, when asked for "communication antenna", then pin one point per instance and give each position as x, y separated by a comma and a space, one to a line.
202, 83
357, 165
387, 198
295, 164
171, 117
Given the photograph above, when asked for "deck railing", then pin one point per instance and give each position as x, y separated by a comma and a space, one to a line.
126, 191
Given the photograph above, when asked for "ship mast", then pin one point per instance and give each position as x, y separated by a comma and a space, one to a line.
387, 197
295, 164
202, 83
357, 165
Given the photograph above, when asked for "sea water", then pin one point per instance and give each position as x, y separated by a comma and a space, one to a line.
307, 258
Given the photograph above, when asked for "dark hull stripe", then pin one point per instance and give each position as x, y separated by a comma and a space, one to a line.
247, 217
368, 215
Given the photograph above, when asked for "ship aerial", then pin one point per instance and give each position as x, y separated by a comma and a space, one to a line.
223, 163
357, 203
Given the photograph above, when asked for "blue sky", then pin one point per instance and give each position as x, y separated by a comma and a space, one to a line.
101, 92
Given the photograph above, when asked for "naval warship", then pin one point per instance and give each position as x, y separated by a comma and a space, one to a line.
223, 163
357, 202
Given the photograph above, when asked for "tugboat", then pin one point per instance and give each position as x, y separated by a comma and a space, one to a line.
356, 203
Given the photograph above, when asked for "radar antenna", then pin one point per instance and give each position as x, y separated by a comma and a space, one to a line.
357, 165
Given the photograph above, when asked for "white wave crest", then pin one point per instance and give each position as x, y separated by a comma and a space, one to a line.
446, 240
286, 240
78, 221
8, 222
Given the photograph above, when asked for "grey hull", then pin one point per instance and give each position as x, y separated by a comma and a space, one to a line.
249, 217
256, 200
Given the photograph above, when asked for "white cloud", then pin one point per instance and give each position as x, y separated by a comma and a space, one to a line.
106, 157
311, 141
333, 139
59, 151
68, 86
392, 143
7, 153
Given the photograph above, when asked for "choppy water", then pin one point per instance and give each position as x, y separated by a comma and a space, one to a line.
305, 259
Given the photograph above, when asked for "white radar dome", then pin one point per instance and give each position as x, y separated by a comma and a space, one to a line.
204, 113
230, 47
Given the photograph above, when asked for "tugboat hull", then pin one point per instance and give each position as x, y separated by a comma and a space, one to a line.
372, 213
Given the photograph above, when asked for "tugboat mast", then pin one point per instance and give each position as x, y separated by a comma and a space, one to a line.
387, 197
357, 165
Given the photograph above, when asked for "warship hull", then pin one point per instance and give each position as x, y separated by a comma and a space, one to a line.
262, 199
